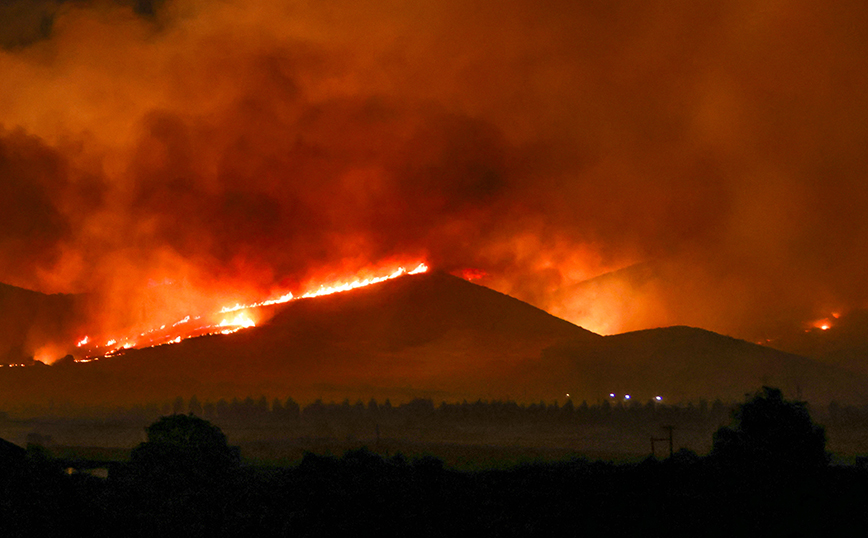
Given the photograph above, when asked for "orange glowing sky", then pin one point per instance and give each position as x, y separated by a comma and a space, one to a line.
622, 164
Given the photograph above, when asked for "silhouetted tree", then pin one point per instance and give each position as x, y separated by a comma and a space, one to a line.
178, 405
247, 410
683, 456
418, 408
261, 406
184, 450
293, 410
194, 406
277, 409
236, 408
568, 409
221, 409
315, 410
772, 431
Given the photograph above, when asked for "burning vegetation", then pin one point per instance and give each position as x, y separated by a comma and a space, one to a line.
232, 318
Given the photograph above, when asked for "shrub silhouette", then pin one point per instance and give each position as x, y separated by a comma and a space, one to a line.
184, 449
771, 431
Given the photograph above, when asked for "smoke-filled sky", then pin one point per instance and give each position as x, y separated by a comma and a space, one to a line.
717, 151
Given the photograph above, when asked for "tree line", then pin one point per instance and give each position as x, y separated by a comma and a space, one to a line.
768, 474
494, 411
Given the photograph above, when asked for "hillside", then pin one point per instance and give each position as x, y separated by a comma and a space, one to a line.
437, 336
689, 364
425, 335
844, 344
29, 319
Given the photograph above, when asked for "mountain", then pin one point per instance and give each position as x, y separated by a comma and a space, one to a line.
29, 319
689, 364
844, 344
422, 335
430, 335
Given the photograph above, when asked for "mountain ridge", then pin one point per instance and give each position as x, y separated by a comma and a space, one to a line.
431, 335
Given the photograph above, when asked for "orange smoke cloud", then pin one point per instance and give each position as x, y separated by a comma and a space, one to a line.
163, 154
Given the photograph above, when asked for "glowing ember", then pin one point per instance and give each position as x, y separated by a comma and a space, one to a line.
229, 325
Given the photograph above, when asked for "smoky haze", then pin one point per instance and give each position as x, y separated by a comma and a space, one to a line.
164, 154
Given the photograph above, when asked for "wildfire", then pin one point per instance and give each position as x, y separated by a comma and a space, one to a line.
242, 320
328, 290
825, 324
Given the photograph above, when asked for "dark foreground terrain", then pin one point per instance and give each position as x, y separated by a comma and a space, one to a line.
362, 493
768, 474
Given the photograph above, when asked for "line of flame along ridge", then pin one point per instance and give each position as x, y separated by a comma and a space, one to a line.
232, 319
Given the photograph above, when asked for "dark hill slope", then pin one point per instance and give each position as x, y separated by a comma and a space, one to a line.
438, 336
684, 363
422, 335
419, 310
29, 319
844, 345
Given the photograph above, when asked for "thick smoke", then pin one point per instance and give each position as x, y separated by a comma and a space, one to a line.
155, 152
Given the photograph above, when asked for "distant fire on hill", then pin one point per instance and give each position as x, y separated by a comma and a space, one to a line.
232, 318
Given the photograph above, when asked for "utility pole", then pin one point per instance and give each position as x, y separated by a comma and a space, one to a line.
655, 439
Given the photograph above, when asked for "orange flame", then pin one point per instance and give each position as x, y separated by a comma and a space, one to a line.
328, 290
240, 321
243, 320
823, 324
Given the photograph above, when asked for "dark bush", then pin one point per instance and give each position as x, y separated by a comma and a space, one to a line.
771, 431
